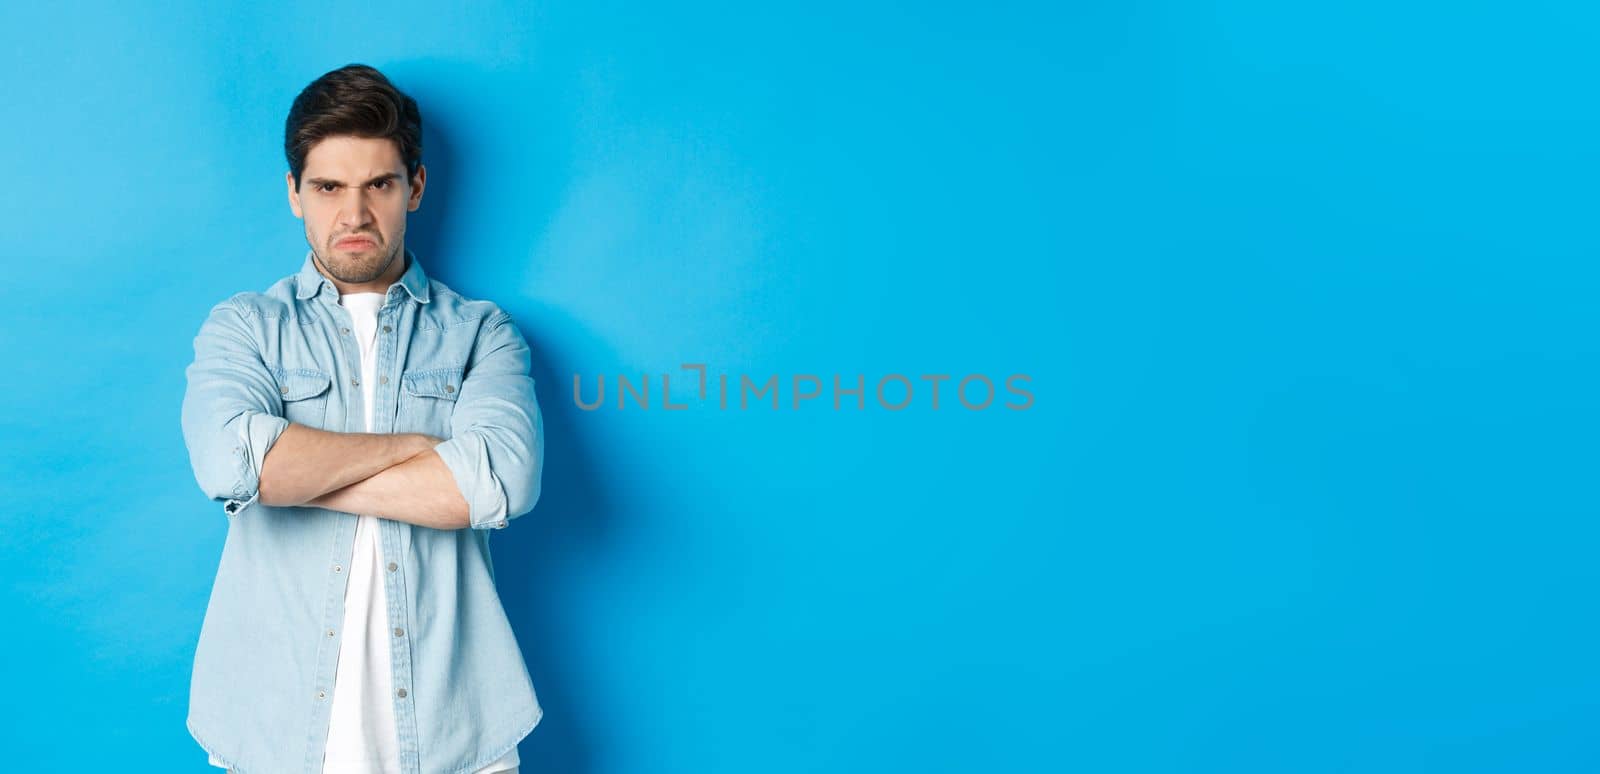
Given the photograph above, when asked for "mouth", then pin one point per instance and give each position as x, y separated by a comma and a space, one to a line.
355, 243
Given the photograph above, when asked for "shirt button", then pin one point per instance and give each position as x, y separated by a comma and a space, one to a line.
383, 379
330, 632
399, 632
401, 693
345, 331
337, 568
500, 524
387, 329
355, 382
393, 567
449, 388
322, 694
284, 390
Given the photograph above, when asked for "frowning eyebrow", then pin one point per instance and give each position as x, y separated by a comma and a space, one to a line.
316, 181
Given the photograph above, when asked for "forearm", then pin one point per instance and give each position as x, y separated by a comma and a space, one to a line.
305, 463
419, 490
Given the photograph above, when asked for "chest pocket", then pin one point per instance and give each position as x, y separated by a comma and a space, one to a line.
304, 392
428, 399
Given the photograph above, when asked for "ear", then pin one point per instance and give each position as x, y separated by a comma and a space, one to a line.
417, 183
294, 196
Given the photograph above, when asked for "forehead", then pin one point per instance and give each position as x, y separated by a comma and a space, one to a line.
356, 157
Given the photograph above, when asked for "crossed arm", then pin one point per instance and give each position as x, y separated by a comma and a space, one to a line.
244, 450
396, 476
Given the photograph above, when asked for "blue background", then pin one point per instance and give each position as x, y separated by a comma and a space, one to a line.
1306, 296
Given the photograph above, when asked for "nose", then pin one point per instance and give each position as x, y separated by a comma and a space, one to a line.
355, 212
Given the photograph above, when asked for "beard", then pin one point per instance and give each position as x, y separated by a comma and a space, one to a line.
357, 268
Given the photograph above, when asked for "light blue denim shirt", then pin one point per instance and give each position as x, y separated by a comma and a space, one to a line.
448, 366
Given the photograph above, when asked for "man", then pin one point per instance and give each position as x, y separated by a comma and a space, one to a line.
364, 427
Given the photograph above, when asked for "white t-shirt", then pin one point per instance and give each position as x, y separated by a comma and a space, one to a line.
361, 732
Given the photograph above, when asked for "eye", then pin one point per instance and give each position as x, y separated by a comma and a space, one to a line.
382, 183
324, 187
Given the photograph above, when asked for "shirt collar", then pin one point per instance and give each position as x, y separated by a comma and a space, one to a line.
310, 282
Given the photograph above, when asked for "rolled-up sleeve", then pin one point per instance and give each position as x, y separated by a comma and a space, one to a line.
231, 412
496, 445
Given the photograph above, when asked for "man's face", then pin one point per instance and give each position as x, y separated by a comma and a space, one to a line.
354, 197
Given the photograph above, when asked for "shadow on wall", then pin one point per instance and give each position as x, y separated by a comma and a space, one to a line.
568, 527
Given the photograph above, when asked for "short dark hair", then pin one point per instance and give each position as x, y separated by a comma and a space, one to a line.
352, 100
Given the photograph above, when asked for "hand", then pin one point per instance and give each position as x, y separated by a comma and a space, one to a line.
417, 443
